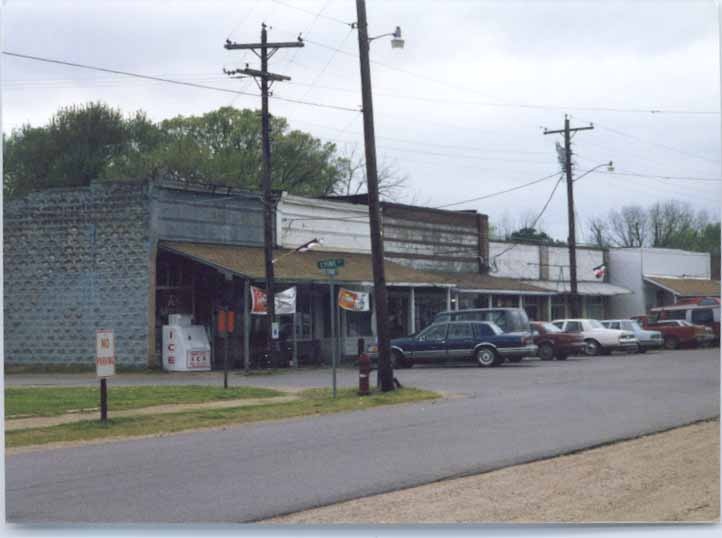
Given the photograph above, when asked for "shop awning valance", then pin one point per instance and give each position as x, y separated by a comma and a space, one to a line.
249, 262
686, 287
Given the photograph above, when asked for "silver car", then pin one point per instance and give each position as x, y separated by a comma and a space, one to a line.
646, 339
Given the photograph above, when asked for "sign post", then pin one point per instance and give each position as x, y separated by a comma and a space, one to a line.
104, 366
330, 267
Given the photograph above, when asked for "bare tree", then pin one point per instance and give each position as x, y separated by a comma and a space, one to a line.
598, 232
672, 220
628, 226
392, 182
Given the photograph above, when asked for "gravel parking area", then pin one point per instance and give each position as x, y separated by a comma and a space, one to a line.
672, 476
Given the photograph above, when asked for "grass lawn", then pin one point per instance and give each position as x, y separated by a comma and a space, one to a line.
311, 402
51, 401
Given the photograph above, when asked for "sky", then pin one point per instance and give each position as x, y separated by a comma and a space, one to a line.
460, 110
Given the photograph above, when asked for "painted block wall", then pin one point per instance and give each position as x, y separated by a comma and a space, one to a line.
522, 261
180, 214
76, 260
341, 226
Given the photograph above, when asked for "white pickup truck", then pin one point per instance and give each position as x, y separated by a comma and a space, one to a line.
597, 338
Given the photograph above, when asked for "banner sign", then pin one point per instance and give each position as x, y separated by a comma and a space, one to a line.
104, 353
285, 301
355, 301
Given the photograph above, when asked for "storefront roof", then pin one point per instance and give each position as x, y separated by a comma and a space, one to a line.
301, 267
686, 287
478, 283
583, 288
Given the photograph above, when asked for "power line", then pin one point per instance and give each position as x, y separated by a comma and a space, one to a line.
654, 176
309, 12
663, 146
651, 110
533, 224
484, 197
171, 81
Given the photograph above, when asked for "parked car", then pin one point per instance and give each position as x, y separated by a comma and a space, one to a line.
647, 339
678, 333
510, 320
553, 343
482, 341
597, 338
697, 311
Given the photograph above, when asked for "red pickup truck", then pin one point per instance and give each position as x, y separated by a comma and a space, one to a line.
679, 333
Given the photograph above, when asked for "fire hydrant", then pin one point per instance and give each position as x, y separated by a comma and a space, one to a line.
364, 374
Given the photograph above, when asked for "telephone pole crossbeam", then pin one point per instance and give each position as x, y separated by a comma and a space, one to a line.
572, 240
266, 51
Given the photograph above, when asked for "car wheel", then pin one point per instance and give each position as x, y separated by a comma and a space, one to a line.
546, 352
592, 348
486, 356
671, 342
641, 349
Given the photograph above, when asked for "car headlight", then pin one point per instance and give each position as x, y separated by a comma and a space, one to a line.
373, 348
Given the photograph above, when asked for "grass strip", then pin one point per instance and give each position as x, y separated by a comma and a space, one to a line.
53, 401
311, 402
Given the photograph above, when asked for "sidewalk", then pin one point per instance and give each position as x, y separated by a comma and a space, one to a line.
44, 422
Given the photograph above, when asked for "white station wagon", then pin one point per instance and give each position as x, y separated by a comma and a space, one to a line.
597, 338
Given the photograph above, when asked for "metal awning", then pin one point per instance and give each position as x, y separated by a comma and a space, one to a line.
487, 284
249, 262
583, 288
686, 287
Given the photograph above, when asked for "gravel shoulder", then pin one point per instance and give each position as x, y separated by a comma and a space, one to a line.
667, 477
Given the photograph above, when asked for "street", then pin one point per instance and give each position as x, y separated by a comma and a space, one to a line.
492, 418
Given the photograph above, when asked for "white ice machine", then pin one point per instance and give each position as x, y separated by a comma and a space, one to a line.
185, 346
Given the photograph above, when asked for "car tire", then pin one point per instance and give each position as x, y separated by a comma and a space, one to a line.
546, 351
592, 348
671, 342
641, 349
486, 357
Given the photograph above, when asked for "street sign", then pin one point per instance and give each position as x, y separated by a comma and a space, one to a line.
104, 353
330, 272
331, 263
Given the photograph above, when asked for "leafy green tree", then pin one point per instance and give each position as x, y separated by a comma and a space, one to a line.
78, 144
223, 146
533, 236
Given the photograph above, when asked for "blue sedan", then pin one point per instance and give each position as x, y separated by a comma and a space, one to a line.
482, 341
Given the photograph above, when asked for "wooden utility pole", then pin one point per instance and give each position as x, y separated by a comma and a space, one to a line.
385, 370
572, 240
262, 51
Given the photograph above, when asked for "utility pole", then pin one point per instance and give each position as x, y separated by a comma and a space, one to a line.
268, 227
572, 240
385, 370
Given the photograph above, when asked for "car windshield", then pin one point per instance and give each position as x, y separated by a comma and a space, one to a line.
594, 324
685, 323
550, 328
632, 326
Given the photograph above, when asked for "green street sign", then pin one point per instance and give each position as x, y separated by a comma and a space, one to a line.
330, 272
330, 263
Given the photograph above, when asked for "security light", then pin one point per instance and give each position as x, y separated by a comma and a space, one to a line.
397, 42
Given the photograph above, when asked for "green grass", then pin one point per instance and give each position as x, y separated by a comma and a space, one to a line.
311, 402
52, 401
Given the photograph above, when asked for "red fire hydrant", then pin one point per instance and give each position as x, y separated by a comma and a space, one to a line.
364, 374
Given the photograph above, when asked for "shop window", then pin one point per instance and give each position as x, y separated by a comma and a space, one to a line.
505, 301
559, 310
533, 307
427, 306
595, 307
358, 323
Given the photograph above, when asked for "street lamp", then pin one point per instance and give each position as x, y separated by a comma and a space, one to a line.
303, 248
385, 370
609, 165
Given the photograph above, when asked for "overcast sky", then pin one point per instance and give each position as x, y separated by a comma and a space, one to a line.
460, 110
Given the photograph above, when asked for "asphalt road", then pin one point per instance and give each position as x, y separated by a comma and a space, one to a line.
504, 416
